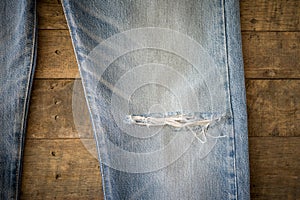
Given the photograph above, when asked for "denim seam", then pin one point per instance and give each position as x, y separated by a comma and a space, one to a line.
27, 99
239, 105
66, 6
229, 94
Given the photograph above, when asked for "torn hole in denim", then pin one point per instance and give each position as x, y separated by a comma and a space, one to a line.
198, 124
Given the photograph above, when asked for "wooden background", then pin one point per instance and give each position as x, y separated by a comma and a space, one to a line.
58, 166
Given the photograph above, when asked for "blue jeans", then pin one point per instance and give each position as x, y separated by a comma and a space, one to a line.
164, 86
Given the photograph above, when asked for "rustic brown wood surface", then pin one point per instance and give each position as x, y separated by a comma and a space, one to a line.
58, 166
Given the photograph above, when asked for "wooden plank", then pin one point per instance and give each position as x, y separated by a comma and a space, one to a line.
273, 107
275, 167
60, 169
50, 113
271, 54
51, 15
64, 169
275, 15
266, 55
56, 58
51, 110
256, 15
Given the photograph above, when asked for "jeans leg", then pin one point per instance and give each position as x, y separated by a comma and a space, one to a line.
164, 84
17, 62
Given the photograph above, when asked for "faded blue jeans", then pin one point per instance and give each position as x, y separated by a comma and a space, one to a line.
164, 85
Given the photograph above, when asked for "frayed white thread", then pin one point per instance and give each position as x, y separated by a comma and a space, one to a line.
179, 121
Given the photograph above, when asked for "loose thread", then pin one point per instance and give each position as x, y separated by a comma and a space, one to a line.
178, 121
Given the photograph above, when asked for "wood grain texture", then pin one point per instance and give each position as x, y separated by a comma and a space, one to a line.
56, 58
60, 169
273, 107
50, 114
265, 15
275, 168
271, 54
51, 15
266, 55
256, 15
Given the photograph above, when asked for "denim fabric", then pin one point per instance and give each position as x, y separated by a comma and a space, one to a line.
164, 59
165, 63
17, 61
